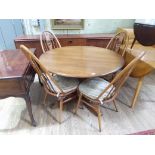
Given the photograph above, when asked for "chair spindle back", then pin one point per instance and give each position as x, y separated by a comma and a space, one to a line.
47, 80
120, 78
119, 43
49, 41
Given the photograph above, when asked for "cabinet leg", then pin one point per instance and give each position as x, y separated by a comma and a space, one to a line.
29, 107
138, 87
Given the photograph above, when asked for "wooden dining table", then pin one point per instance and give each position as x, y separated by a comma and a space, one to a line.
82, 61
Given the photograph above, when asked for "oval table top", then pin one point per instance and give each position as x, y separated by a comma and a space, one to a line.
82, 61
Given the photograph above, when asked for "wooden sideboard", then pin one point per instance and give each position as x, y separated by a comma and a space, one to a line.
98, 40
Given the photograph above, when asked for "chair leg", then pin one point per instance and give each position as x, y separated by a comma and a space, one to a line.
99, 117
78, 103
40, 81
44, 98
139, 85
114, 102
60, 110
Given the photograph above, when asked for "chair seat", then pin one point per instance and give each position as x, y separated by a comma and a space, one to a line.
92, 88
67, 84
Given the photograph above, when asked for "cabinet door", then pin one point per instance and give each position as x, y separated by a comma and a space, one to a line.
10, 87
98, 42
72, 42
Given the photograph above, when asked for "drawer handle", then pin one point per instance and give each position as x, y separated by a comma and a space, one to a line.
70, 41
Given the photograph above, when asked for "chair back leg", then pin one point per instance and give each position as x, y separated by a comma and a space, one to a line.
78, 103
114, 102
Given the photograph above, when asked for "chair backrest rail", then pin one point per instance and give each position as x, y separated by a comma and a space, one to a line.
41, 70
119, 43
120, 78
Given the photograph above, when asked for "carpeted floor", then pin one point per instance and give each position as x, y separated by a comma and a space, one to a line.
14, 118
10, 112
147, 132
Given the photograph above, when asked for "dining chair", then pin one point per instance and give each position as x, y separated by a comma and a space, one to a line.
96, 91
61, 87
119, 43
48, 41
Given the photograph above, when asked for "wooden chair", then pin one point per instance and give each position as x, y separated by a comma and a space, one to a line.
61, 87
48, 41
119, 43
96, 91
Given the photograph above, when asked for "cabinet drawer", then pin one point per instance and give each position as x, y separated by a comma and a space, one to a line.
98, 42
73, 42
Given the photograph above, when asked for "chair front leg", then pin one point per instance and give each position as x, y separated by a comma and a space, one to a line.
114, 102
99, 117
78, 103
137, 91
60, 110
45, 95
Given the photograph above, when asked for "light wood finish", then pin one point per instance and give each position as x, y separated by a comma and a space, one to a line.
119, 41
118, 44
114, 87
45, 76
114, 102
61, 109
148, 59
48, 41
99, 117
78, 103
142, 69
138, 87
44, 101
82, 61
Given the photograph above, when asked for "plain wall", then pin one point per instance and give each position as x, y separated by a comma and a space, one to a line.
91, 26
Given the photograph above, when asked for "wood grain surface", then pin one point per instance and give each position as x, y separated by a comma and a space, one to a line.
82, 61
